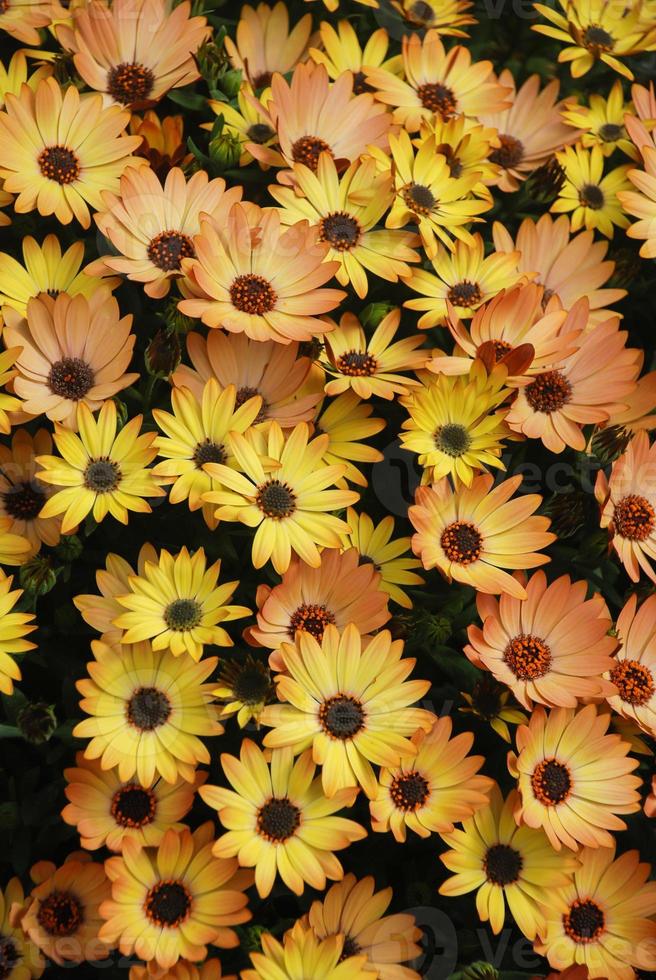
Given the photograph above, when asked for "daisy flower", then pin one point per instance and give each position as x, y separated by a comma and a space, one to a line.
57, 174
152, 227
249, 122
447, 17
493, 704
348, 424
588, 193
602, 121
184, 970
15, 75
174, 901
356, 911
75, 353
278, 373
107, 810
164, 145
430, 789
389, 557
466, 146
573, 778
633, 671
100, 611
351, 705
641, 203
259, 279
371, 365
551, 647
504, 864
290, 505
178, 604
264, 43
14, 548
99, 471
464, 277
21, 494
341, 51
244, 689
134, 51
14, 627
332, 205
147, 711
446, 83
278, 820
301, 949
603, 918
22, 19
471, 534
24, 961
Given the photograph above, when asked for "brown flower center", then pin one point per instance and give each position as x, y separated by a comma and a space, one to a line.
549, 392
360, 83
102, 475
276, 499
597, 40
208, 452
501, 348
307, 150
421, 13
9, 955
357, 364
634, 518
60, 164
168, 903
243, 395
60, 914
340, 230
438, 98
462, 542
465, 293
311, 618
260, 133
253, 294
342, 716
148, 708
509, 153
128, 83
183, 614
634, 681
251, 683
419, 198
23, 501
167, 250
409, 791
551, 782
278, 819
262, 80
133, 806
610, 132
591, 196
350, 948
527, 656
71, 378
585, 921
452, 439
502, 864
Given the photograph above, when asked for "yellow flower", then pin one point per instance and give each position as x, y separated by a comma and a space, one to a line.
14, 548
301, 949
244, 688
24, 959
590, 194
248, 122
8, 403
341, 51
347, 422
100, 611
492, 703
446, 17
375, 545
22, 19
14, 626
101, 472
178, 604
467, 146
602, 121
16, 75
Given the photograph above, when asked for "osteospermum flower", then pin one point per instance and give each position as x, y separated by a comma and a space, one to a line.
21, 494
641, 203
184, 970
464, 277
174, 901
341, 51
352, 705
147, 710
573, 778
134, 51
178, 604
152, 226
61, 175
22, 19
633, 671
14, 627
356, 911
100, 611
347, 422
107, 810
289, 505
248, 123
467, 146
278, 821
22, 959
447, 17
589, 193
100, 472
264, 44
602, 121
494, 704
75, 353
430, 790
603, 919
244, 688
346, 222
62, 917
371, 365
389, 557
14, 548
302, 950
265, 285
504, 864
16, 74
472, 534
551, 647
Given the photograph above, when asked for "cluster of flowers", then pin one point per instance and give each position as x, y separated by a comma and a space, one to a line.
380, 159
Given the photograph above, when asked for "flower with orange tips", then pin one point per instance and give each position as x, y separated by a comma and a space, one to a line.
641, 202
348, 423
602, 121
390, 557
24, 960
15, 75
100, 611
22, 495
633, 671
341, 51
447, 17
163, 143
328, 958
471, 534
264, 44
183, 970
22, 19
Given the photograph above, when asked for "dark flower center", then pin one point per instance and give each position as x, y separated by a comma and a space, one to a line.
585, 921
251, 683
243, 395
9, 955
128, 83
421, 13
167, 250
527, 656
208, 452
438, 98
509, 153
633, 681
597, 39
340, 230
259, 133
409, 791
419, 198
610, 132
60, 164
182, 614
502, 864
357, 364
168, 903
148, 708
71, 378
278, 819
102, 475
452, 439
341, 716
360, 83
465, 293
307, 150
23, 501
551, 782
634, 518
276, 499
501, 348
133, 806
60, 914
549, 392
350, 948
462, 542
252, 294
311, 618
591, 196
263, 80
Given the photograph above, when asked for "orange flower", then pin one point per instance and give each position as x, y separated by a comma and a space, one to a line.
264, 44
163, 145
22, 495
22, 19
634, 668
100, 611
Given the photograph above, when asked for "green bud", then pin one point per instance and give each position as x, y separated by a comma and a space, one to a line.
230, 82
225, 151
122, 414
38, 575
211, 60
609, 443
479, 971
37, 722
252, 937
372, 314
176, 321
69, 548
163, 353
